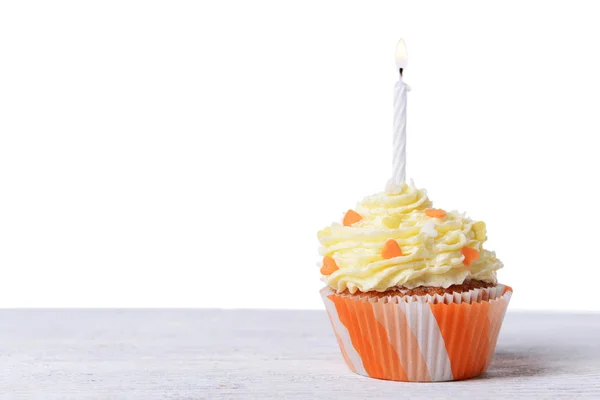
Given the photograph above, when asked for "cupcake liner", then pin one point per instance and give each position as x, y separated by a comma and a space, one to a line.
418, 338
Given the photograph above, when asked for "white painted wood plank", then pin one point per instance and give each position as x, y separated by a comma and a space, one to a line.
260, 354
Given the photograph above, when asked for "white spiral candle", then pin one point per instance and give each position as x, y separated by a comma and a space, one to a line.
399, 157
399, 141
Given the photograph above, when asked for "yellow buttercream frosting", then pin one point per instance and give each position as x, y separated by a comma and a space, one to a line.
431, 247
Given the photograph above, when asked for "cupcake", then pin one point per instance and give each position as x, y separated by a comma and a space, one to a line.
411, 292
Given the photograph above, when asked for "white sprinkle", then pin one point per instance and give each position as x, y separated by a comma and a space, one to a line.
429, 229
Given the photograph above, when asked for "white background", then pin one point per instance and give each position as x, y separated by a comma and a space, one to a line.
186, 153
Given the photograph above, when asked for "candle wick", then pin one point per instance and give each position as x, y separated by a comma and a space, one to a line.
401, 70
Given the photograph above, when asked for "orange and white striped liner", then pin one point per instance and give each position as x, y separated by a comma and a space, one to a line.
418, 338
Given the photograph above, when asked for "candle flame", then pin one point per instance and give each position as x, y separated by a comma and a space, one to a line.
401, 54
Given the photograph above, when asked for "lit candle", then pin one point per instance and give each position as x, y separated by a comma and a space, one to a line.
399, 142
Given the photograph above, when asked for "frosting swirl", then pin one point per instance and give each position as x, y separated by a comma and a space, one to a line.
432, 249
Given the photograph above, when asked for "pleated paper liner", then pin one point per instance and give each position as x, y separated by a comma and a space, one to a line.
418, 338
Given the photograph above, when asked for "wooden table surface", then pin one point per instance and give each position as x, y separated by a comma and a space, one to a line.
263, 354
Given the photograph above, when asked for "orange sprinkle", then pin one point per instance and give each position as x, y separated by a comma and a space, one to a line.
470, 255
351, 217
329, 266
434, 213
391, 249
